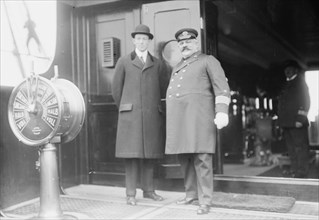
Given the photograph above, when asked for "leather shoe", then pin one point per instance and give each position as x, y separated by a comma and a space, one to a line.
152, 195
130, 200
203, 209
186, 201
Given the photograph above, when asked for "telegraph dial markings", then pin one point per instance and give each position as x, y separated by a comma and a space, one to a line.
35, 110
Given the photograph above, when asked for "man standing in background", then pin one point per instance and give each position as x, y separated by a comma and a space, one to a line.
293, 107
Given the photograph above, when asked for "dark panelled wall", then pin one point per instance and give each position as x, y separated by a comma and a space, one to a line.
19, 179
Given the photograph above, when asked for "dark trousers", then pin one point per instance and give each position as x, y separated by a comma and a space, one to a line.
132, 175
197, 170
297, 145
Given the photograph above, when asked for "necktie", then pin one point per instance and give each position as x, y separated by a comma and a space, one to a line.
142, 60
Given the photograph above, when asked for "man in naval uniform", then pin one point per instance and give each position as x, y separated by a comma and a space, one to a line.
197, 100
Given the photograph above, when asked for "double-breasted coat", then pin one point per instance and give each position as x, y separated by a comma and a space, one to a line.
137, 91
197, 90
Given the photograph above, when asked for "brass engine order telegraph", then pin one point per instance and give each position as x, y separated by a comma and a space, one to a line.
44, 113
40, 109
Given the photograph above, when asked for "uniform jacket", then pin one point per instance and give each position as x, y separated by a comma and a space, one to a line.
294, 103
197, 90
137, 90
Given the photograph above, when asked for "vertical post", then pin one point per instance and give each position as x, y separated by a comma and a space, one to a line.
219, 154
50, 207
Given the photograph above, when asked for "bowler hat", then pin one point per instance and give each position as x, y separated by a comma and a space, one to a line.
185, 34
142, 29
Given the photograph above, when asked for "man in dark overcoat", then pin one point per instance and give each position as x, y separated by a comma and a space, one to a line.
293, 107
197, 100
137, 89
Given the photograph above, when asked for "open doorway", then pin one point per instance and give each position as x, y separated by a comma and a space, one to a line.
312, 79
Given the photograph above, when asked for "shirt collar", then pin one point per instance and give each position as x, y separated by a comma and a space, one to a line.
141, 54
291, 78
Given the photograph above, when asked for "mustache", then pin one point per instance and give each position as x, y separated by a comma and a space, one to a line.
185, 48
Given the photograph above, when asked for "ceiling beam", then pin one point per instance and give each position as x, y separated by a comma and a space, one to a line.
240, 52
237, 12
295, 54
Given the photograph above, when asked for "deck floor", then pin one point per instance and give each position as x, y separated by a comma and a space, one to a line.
106, 202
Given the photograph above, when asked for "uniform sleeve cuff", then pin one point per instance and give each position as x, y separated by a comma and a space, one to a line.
221, 108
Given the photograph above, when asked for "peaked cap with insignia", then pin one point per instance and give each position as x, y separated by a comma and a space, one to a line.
185, 34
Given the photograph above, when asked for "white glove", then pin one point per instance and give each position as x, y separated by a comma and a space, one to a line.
221, 120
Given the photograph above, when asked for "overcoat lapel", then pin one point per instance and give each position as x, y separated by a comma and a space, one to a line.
149, 62
138, 63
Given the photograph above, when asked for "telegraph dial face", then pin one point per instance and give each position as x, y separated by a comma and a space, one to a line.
34, 111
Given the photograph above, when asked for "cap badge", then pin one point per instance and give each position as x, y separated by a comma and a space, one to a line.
185, 34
